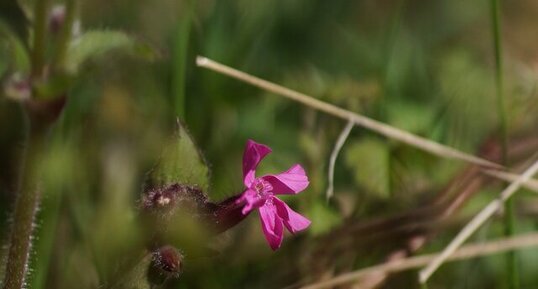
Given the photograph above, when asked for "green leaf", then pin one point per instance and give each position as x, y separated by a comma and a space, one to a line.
412, 117
466, 89
96, 43
137, 278
181, 163
54, 87
369, 158
16, 54
323, 218
13, 16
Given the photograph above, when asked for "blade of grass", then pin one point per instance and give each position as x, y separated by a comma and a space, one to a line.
466, 252
360, 120
499, 86
180, 56
477, 222
509, 217
389, 51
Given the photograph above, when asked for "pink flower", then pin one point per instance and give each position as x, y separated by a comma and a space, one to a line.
260, 194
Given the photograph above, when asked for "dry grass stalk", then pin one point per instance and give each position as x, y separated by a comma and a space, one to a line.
467, 252
476, 222
360, 120
531, 184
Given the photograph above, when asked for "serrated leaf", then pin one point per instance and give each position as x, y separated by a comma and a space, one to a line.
95, 43
181, 163
369, 158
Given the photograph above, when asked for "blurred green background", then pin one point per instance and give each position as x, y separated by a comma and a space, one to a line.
423, 66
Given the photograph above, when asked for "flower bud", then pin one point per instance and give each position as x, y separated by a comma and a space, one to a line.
161, 204
168, 261
167, 199
56, 21
56, 18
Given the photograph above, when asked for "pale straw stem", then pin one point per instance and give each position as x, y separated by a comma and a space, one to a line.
466, 252
360, 120
476, 222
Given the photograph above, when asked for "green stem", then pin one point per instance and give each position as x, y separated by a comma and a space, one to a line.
180, 57
501, 106
509, 220
511, 258
28, 196
389, 48
26, 207
40, 35
65, 34
48, 215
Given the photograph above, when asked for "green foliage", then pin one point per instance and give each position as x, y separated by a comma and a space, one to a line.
412, 117
137, 278
181, 163
369, 159
14, 17
93, 44
425, 67
465, 88
54, 87
15, 51
323, 218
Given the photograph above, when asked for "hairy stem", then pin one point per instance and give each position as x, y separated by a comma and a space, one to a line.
25, 210
28, 195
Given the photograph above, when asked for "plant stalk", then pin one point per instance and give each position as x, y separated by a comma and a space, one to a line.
65, 34
180, 59
360, 120
28, 195
26, 206
509, 217
40, 34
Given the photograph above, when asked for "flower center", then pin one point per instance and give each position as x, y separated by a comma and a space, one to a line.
263, 188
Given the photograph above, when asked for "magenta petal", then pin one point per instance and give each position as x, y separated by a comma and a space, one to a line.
271, 225
254, 153
293, 221
291, 181
252, 200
